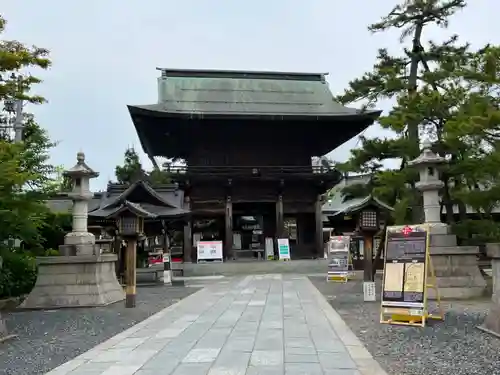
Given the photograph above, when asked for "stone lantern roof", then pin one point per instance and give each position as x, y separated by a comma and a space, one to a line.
81, 169
427, 157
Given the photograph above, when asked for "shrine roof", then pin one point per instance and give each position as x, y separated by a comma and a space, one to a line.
340, 204
147, 211
212, 93
161, 201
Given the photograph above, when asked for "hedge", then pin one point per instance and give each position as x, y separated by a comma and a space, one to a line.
17, 274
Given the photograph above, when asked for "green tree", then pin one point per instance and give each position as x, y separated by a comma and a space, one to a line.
22, 210
159, 176
14, 58
14, 201
36, 155
417, 83
473, 130
131, 170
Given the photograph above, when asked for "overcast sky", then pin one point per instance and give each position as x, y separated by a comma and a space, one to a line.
105, 53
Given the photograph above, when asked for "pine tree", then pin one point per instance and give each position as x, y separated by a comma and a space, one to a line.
132, 171
414, 82
471, 134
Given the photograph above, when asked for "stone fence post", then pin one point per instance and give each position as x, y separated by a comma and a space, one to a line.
492, 322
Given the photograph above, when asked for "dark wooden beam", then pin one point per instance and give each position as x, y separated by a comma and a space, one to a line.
228, 243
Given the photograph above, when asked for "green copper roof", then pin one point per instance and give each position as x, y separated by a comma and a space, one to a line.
202, 92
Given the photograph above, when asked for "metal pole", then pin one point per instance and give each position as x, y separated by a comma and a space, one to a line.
18, 121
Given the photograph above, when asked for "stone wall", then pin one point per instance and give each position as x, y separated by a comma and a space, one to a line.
456, 269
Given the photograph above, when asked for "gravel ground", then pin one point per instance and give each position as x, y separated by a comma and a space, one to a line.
452, 347
49, 338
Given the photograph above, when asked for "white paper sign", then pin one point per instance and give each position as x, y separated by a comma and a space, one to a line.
209, 250
369, 291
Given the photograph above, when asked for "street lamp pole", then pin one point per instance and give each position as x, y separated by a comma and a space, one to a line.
18, 121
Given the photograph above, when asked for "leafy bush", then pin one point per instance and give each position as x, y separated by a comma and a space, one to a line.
477, 232
17, 274
51, 253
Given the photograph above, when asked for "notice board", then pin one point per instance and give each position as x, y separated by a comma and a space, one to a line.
339, 259
406, 265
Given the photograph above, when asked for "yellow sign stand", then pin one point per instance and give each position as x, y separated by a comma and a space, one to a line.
408, 277
343, 277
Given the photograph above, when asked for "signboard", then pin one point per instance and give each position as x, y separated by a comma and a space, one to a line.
369, 291
269, 246
209, 251
283, 249
406, 264
339, 258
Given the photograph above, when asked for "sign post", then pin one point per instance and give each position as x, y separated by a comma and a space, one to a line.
408, 273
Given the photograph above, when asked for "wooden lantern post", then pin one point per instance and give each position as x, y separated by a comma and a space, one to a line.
369, 225
130, 227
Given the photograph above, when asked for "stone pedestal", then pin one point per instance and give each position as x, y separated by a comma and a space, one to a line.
492, 322
75, 281
456, 269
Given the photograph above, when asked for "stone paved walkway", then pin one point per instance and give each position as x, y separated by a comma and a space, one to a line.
256, 325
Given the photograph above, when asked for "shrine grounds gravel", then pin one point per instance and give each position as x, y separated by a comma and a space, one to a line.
452, 347
47, 339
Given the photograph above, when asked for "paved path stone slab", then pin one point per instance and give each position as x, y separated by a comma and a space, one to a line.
254, 325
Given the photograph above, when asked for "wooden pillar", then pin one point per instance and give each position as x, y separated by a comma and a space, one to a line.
187, 242
280, 225
131, 262
228, 243
188, 235
367, 257
117, 249
318, 205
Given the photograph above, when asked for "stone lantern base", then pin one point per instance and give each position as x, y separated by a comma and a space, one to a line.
75, 281
456, 268
492, 322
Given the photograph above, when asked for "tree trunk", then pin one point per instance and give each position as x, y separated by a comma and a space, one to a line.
381, 245
413, 127
378, 254
448, 203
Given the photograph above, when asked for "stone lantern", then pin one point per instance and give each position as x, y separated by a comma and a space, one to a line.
80, 175
81, 276
430, 185
456, 269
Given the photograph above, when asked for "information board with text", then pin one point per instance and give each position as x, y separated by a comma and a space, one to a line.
209, 251
405, 270
339, 263
283, 249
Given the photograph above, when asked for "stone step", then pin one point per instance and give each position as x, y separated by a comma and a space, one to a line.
452, 250
443, 240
